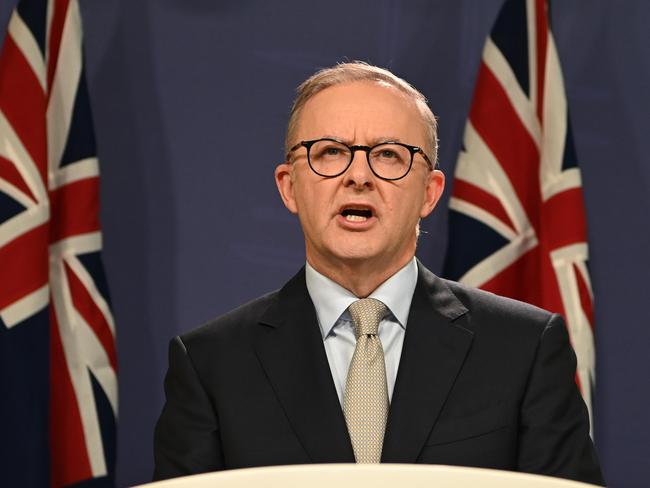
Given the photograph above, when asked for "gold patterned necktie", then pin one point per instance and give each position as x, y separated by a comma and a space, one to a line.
365, 402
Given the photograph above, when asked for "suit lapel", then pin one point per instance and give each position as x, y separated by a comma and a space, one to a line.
290, 348
432, 355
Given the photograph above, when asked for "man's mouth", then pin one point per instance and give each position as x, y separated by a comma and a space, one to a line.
356, 214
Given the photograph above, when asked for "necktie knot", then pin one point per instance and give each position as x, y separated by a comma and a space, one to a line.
366, 315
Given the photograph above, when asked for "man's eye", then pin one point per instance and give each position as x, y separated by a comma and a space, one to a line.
385, 154
329, 152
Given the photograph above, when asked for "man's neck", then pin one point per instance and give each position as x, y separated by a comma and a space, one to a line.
360, 277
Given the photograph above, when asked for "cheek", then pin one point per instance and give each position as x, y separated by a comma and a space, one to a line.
317, 196
301, 192
312, 205
407, 206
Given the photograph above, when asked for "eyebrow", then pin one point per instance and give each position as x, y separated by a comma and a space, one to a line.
373, 142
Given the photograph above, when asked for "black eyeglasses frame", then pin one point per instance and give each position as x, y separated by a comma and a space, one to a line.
413, 150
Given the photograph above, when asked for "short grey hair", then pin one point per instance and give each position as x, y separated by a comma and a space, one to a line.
360, 71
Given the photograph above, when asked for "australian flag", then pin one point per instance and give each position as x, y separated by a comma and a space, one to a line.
58, 364
517, 222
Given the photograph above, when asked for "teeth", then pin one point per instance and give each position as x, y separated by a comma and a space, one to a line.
355, 218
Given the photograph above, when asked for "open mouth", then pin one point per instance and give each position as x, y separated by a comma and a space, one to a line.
356, 214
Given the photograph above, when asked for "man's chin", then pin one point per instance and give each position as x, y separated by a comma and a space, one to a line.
356, 257
342, 256
354, 251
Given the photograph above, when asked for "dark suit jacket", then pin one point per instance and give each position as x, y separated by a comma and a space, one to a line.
483, 381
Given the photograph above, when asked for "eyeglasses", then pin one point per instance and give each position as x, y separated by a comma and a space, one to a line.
388, 160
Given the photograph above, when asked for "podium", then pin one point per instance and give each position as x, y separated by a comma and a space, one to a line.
367, 475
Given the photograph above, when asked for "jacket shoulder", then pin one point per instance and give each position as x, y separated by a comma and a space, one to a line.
474, 298
232, 323
510, 316
459, 300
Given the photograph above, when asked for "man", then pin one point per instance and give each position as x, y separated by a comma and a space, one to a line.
421, 371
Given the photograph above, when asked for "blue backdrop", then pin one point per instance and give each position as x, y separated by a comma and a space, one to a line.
190, 101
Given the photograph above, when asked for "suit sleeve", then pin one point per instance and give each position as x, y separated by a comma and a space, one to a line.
186, 438
554, 433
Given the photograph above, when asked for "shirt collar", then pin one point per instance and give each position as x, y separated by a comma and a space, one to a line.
331, 300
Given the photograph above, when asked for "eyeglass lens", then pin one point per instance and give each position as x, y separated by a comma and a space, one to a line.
330, 158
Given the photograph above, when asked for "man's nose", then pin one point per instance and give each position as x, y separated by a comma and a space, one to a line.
359, 173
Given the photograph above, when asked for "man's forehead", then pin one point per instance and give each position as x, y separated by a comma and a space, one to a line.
372, 104
352, 90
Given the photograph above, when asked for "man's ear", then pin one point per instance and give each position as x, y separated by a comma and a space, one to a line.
433, 191
284, 182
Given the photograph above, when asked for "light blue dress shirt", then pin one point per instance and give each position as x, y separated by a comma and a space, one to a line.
331, 301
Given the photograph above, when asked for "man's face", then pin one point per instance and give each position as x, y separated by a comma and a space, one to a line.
359, 113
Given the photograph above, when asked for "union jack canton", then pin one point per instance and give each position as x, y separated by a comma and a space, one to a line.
58, 363
517, 219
